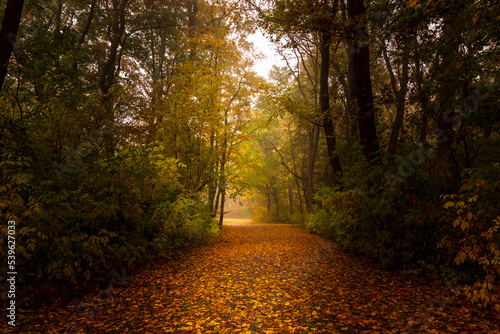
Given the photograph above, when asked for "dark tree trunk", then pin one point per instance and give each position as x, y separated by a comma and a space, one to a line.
222, 189
423, 99
309, 173
212, 183
400, 95
290, 200
276, 201
324, 100
447, 90
110, 70
222, 179
192, 25
222, 202
8, 32
360, 54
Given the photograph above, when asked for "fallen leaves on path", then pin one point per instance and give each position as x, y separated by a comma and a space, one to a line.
266, 279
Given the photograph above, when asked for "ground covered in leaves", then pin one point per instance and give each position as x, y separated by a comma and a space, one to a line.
263, 279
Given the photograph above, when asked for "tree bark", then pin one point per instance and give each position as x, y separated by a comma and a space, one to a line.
309, 173
360, 53
400, 95
8, 32
295, 173
222, 179
192, 24
222, 202
212, 183
447, 89
276, 200
109, 71
424, 100
222, 186
324, 100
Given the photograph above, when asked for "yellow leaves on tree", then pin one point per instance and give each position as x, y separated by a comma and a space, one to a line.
478, 244
412, 3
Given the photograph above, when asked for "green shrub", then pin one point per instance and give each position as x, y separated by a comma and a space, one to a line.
475, 236
98, 215
182, 223
366, 216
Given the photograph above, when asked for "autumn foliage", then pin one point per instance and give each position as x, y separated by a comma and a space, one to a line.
127, 125
477, 238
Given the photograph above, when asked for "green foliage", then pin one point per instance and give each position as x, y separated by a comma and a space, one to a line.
366, 216
121, 211
434, 78
182, 223
17, 178
260, 214
406, 227
333, 224
475, 236
107, 146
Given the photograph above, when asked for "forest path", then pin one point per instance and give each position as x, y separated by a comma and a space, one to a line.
267, 279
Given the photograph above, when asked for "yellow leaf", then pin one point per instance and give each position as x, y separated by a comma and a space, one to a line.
464, 225
411, 3
472, 199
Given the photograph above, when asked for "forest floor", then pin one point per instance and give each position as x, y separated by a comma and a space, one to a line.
264, 279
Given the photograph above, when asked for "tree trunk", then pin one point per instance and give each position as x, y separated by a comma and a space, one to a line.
290, 200
309, 173
400, 95
447, 90
212, 183
192, 25
222, 200
276, 201
360, 53
85, 32
423, 99
268, 203
222, 185
109, 71
324, 100
299, 189
8, 32
222, 178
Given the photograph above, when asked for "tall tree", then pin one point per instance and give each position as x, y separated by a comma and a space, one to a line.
360, 53
399, 89
324, 100
8, 32
316, 18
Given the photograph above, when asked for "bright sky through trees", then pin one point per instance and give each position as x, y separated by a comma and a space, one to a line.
270, 55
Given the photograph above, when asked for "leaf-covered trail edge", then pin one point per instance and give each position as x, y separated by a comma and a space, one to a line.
267, 279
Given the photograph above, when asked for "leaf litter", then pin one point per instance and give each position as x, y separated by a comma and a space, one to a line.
266, 279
